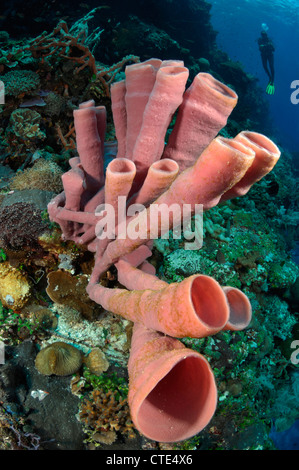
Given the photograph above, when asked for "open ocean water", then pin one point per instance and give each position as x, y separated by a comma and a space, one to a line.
238, 23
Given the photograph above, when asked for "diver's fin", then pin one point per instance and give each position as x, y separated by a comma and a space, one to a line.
270, 90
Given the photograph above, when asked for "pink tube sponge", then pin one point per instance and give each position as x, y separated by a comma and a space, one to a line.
140, 80
164, 99
240, 311
159, 177
196, 307
89, 145
206, 106
266, 157
172, 390
220, 166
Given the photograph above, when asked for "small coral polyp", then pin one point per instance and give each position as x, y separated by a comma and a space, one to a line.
197, 168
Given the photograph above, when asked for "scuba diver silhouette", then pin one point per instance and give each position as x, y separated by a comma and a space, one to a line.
267, 49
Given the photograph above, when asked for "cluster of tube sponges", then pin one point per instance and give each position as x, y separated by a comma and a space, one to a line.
172, 390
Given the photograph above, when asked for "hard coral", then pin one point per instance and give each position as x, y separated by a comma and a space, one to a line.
42, 316
21, 225
15, 287
43, 174
55, 104
96, 362
68, 290
18, 82
24, 125
59, 359
105, 414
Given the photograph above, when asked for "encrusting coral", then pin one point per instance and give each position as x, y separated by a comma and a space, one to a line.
194, 167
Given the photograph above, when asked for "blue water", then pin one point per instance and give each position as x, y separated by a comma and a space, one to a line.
239, 25
286, 440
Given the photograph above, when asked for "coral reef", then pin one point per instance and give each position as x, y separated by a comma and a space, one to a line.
73, 46
42, 317
30, 399
12, 436
54, 104
23, 133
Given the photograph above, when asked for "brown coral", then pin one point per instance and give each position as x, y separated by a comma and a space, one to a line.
106, 414
44, 174
96, 362
59, 359
21, 224
65, 289
15, 287
43, 317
